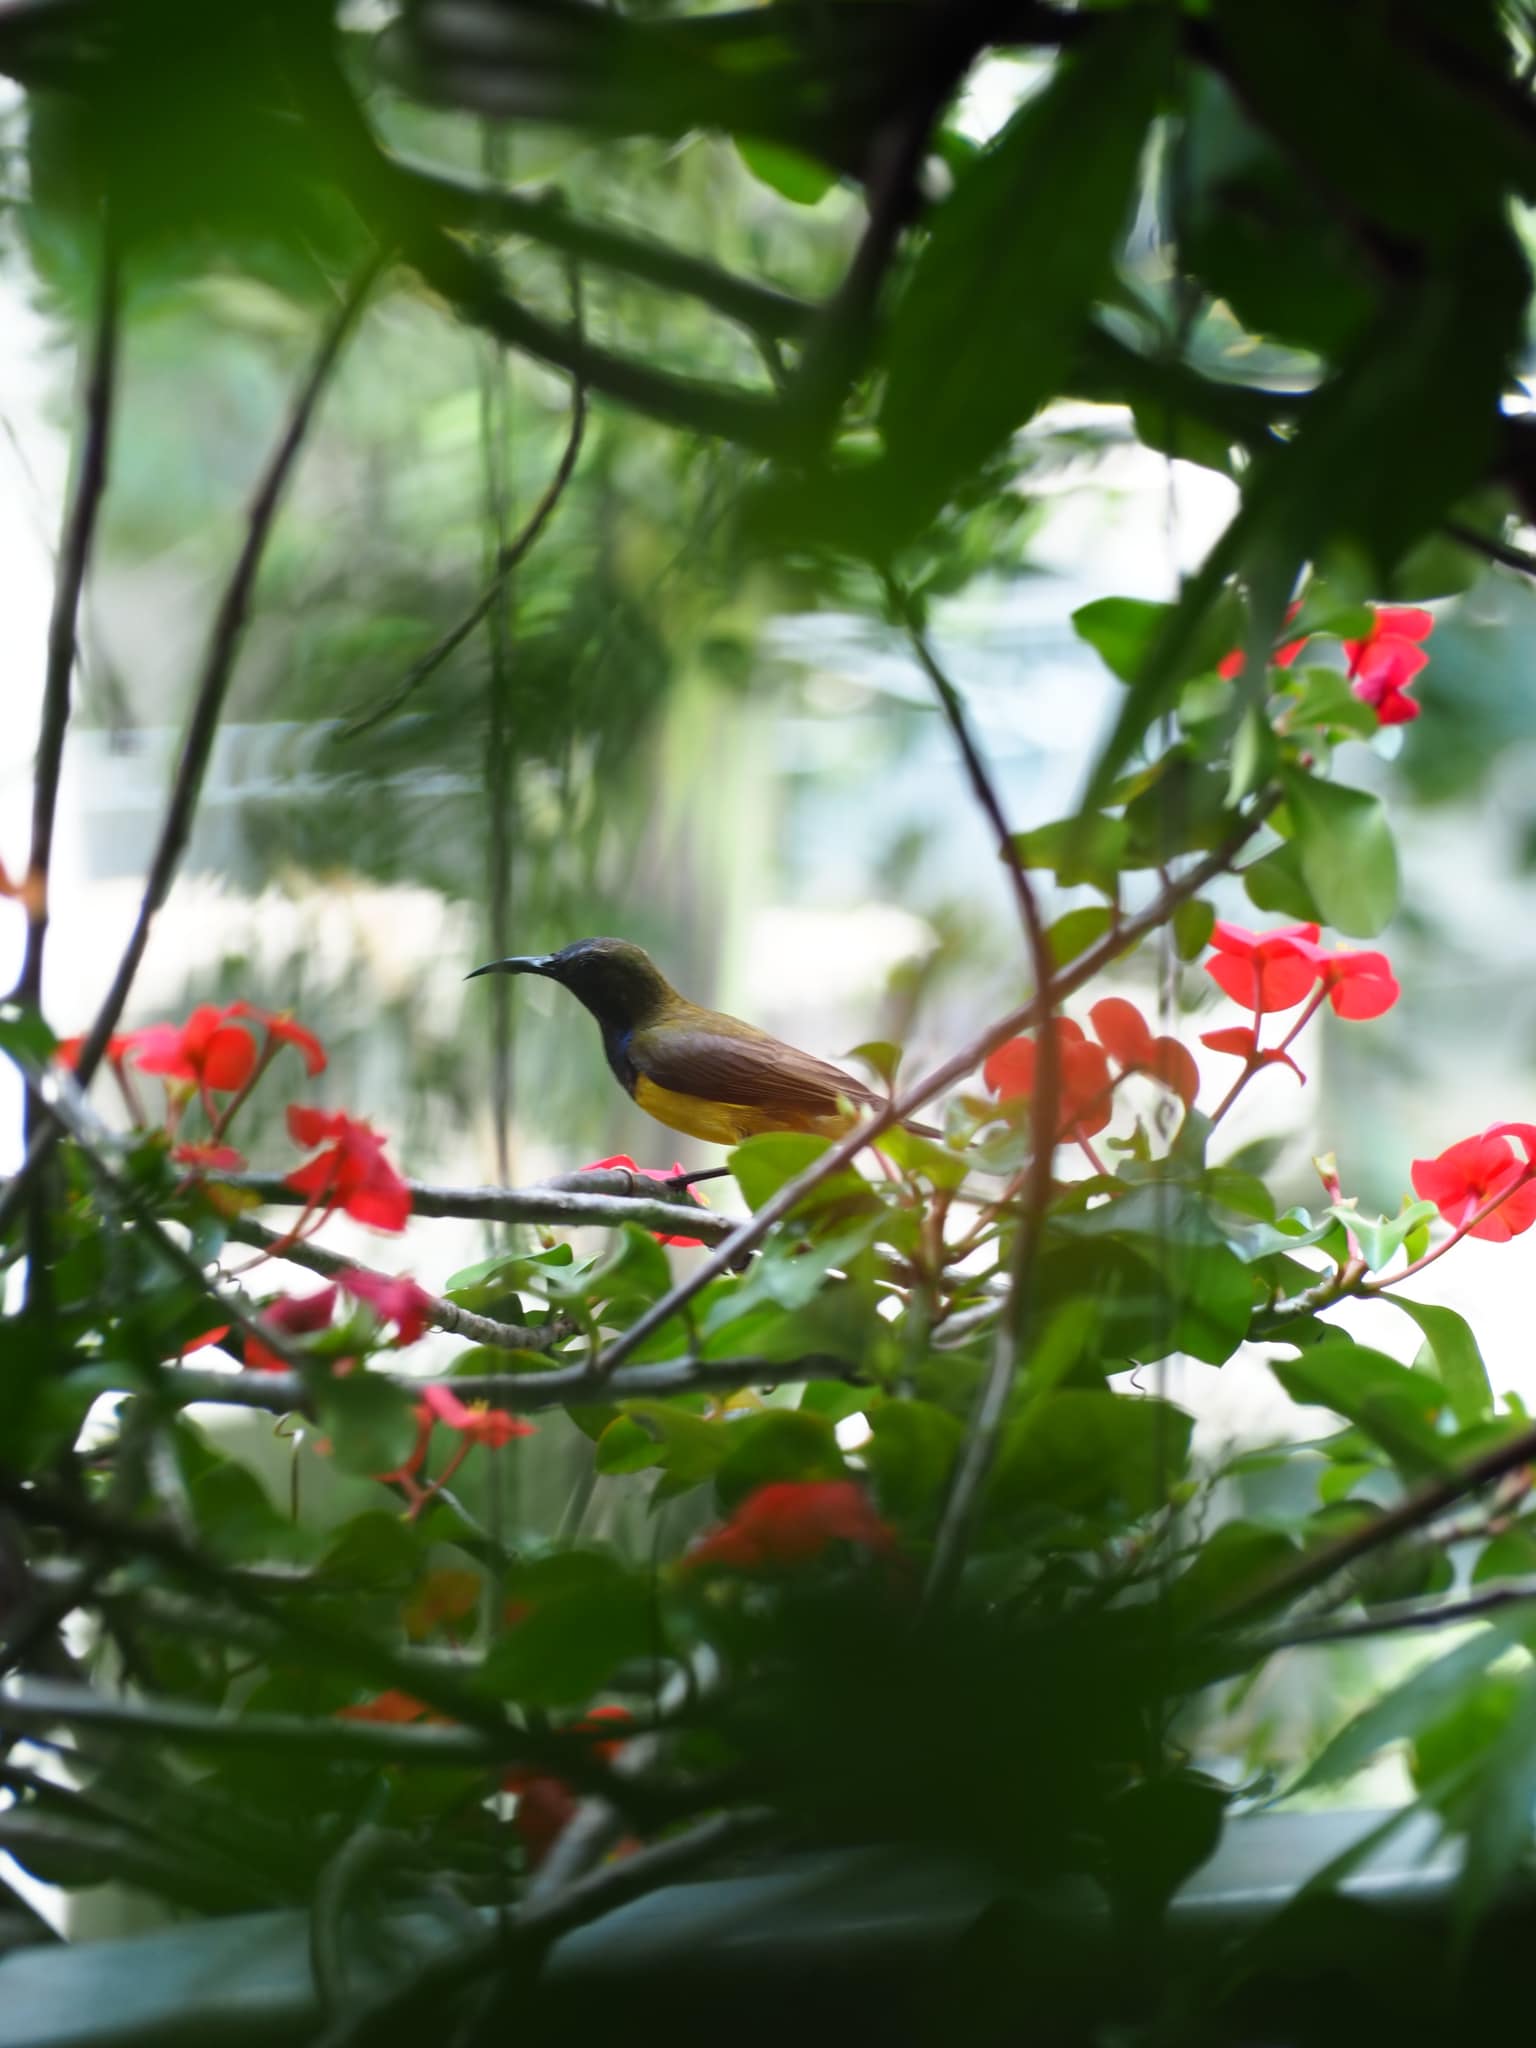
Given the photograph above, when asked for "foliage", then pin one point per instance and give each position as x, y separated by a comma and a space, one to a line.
924, 1560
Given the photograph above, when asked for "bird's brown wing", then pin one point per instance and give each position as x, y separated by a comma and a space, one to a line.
732, 1062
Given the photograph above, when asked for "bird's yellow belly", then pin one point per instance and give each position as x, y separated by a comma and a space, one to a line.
727, 1123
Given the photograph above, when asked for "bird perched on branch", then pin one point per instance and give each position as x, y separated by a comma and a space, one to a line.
696, 1070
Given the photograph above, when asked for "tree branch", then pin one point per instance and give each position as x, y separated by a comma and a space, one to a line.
208, 703
979, 1449
1120, 938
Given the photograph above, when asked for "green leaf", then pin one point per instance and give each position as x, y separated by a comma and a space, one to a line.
1193, 923
1380, 1238
1391, 1403
1078, 1450
625, 1446
586, 1615
1325, 699
1348, 859
1399, 1716
1120, 630
376, 1550
25, 1036
881, 1057
1498, 1816
1073, 934
691, 1449
984, 332
1274, 882
1077, 850
938, 1164
1456, 1359
1236, 1559
911, 1453
371, 1424
789, 172
785, 1443
764, 1164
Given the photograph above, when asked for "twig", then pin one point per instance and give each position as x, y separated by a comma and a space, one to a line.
74, 553
507, 561
75, 542
979, 1449
208, 703
1493, 549
747, 1236
572, 1207
462, 202
1403, 1615
1421, 1505
441, 1314
523, 1393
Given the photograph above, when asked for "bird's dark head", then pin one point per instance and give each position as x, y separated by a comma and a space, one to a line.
618, 982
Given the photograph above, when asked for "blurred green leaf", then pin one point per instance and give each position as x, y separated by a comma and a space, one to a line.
1348, 858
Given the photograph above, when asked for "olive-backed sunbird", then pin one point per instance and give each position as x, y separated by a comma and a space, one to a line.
692, 1069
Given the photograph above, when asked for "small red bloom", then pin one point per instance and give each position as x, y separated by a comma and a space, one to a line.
1385, 662
1264, 970
1230, 665
392, 1708
794, 1522
478, 1424
653, 1173
1127, 1037
209, 1158
401, 1302
1083, 1077
207, 1050
290, 1315
1359, 985
1468, 1175
546, 1803
1245, 1043
282, 1028
119, 1046
351, 1173
203, 1338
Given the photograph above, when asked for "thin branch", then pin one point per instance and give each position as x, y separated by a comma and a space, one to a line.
74, 555
1421, 1505
1398, 1617
979, 1449
463, 202
1119, 939
560, 1205
506, 562
1491, 548
523, 1393
441, 1314
208, 703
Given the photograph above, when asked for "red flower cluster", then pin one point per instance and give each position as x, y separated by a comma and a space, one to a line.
475, 1423
351, 1173
290, 1315
1385, 662
398, 1302
1381, 666
793, 1522
1468, 1176
214, 1051
653, 1173
1268, 971
1085, 1080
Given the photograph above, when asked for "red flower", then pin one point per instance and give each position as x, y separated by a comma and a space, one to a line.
208, 1051
352, 1173
290, 1315
119, 1045
392, 1708
1468, 1175
652, 1173
478, 1424
1231, 665
1245, 1043
1264, 970
281, 1029
1385, 662
209, 1158
794, 1522
401, 1302
1127, 1037
1083, 1077
1359, 985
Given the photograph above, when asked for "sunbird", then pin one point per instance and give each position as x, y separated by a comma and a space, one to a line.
695, 1070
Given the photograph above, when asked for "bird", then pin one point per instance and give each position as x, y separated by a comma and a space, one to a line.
697, 1071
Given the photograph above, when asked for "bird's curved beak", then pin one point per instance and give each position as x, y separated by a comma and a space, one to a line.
519, 963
